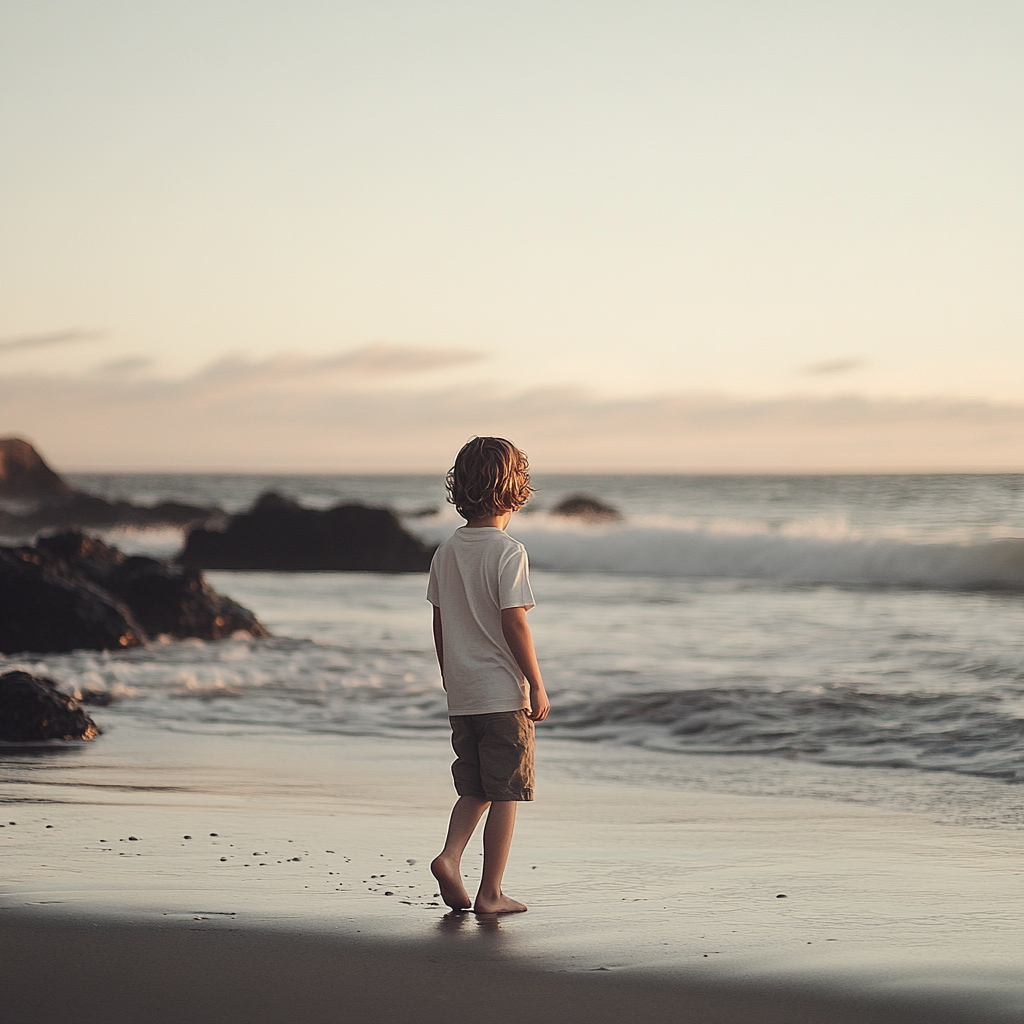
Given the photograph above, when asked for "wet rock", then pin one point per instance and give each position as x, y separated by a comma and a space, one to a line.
25, 476
277, 533
164, 597
33, 708
47, 608
583, 506
89, 510
33, 497
72, 592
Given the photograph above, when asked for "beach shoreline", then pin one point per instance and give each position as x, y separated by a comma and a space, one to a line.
303, 845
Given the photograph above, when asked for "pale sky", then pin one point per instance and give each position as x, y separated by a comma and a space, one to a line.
634, 202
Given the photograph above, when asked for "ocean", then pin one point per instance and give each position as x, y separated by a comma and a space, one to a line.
856, 637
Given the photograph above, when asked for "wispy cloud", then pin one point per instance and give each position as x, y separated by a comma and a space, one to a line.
830, 366
236, 415
26, 341
127, 364
236, 375
386, 360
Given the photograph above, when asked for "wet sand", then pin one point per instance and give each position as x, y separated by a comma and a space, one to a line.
302, 894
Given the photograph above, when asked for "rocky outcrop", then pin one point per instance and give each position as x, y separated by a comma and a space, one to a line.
98, 513
72, 591
32, 708
591, 510
33, 497
279, 534
48, 608
25, 476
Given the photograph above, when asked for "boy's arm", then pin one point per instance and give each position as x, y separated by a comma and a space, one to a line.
517, 635
439, 642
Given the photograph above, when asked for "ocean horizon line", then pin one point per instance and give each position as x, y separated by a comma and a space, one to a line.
846, 471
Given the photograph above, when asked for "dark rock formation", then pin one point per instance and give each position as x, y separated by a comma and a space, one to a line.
37, 498
24, 475
32, 708
277, 533
72, 591
90, 510
582, 506
48, 608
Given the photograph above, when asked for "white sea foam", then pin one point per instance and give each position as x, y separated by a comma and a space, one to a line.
156, 542
823, 551
899, 677
813, 550
675, 629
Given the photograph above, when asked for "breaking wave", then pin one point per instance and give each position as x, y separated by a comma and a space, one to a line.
291, 684
822, 556
969, 734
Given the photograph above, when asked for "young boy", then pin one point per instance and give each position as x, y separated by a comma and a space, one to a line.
480, 589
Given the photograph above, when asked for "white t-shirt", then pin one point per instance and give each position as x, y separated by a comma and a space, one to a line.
476, 573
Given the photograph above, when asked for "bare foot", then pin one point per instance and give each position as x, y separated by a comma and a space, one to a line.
453, 892
502, 905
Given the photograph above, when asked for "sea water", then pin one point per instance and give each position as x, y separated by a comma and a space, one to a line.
854, 636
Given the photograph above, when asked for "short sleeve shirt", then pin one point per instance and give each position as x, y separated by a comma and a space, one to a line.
475, 574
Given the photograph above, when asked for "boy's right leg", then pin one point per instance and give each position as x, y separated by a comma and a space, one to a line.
446, 867
497, 842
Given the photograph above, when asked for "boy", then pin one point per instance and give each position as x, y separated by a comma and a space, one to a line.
480, 589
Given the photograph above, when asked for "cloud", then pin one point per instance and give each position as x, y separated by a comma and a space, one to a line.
127, 364
238, 414
830, 366
26, 341
234, 376
385, 360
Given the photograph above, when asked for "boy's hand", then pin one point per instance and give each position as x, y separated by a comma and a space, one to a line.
539, 704
520, 643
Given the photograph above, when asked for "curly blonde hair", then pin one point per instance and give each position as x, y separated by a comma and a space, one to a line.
491, 476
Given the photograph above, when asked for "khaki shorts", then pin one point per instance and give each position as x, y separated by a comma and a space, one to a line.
493, 755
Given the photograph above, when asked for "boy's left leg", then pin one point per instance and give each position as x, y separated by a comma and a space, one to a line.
501, 821
446, 867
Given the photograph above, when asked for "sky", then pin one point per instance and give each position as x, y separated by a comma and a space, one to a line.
701, 234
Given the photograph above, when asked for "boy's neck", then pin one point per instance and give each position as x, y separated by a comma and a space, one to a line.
499, 522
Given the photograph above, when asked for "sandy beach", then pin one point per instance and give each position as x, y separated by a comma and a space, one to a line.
301, 893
